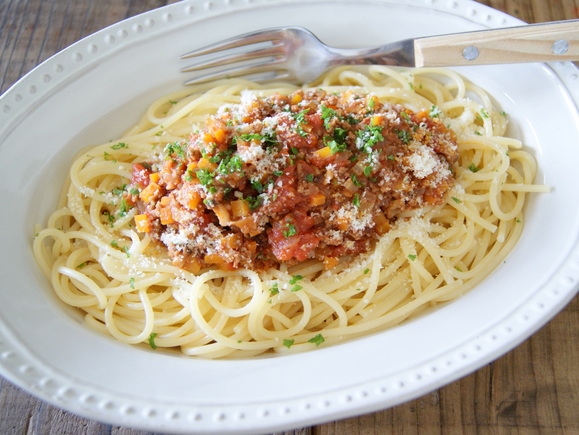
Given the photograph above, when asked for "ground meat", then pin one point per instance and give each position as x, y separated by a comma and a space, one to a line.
288, 178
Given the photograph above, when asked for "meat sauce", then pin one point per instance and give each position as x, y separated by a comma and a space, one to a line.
286, 178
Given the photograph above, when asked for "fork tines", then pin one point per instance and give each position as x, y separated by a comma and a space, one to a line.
267, 51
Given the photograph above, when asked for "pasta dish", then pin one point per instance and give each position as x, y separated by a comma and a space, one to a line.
237, 218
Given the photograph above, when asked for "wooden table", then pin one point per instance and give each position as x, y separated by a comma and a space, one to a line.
533, 389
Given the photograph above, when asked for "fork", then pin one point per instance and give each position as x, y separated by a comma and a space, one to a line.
296, 55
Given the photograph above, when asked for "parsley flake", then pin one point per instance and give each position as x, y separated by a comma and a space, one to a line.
369, 137
473, 168
274, 290
175, 149
291, 230
288, 342
435, 112
152, 340
295, 279
317, 340
119, 146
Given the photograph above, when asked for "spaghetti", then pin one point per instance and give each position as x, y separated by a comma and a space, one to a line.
128, 286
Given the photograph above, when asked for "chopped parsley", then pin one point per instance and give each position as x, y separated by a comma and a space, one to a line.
317, 340
296, 278
300, 119
404, 135
257, 186
473, 168
327, 115
230, 164
355, 181
107, 157
336, 147
412, 257
369, 137
152, 340
175, 149
119, 190
205, 177
288, 342
254, 201
435, 112
124, 208
274, 290
119, 146
291, 230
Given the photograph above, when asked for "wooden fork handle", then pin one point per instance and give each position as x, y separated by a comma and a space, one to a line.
544, 42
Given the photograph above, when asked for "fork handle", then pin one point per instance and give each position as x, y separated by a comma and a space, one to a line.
542, 42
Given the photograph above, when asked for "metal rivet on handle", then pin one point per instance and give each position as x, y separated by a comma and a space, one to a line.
470, 52
560, 47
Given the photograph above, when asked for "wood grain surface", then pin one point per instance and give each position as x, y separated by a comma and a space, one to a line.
533, 389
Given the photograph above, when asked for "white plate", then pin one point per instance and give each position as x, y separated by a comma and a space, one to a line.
96, 88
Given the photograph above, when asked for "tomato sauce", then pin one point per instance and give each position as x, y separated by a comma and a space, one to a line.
287, 178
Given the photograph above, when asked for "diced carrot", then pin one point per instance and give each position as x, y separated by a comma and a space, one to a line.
154, 177
142, 223
247, 226
194, 200
382, 225
222, 214
317, 199
193, 265
422, 114
204, 163
165, 215
342, 224
323, 152
233, 241
307, 127
213, 259
220, 135
239, 208
377, 120
296, 98
207, 138
148, 193
330, 262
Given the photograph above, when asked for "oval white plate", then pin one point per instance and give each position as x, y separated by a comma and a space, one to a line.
93, 90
